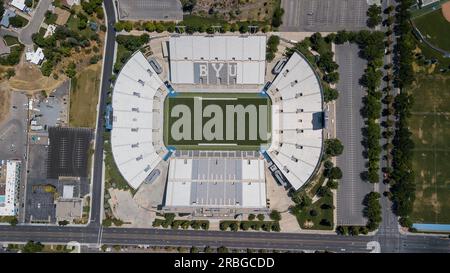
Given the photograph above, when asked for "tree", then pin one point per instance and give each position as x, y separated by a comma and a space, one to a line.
13, 221
331, 78
194, 250
17, 21
333, 147
330, 94
275, 215
313, 213
251, 217
188, 5
374, 14
29, 3
222, 249
354, 230
333, 173
32, 247
10, 73
70, 71
277, 17
343, 230
332, 184
260, 217
63, 223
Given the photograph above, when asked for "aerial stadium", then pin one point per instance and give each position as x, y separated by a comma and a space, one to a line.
218, 122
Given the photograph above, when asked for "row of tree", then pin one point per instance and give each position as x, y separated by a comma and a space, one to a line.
403, 186
254, 225
272, 47
323, 61
372, 210
193, 26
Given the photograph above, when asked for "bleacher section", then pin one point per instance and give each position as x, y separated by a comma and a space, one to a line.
136, 137
297, 121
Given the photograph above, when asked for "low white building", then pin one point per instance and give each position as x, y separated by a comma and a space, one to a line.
50, 31
35, 57
216, 186
18, 4
9, 186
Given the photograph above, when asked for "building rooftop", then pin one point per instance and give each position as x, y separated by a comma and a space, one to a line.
136, 135
35, 57
217, 60
10, 172
216, 182
6, 15
297, 121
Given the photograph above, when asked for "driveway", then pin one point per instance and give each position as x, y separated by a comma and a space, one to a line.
35, 23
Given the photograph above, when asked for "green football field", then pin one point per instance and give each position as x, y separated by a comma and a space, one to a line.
196, 103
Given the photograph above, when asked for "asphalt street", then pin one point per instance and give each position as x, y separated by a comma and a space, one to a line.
324, 15
98, 154
349, 124
35, 23
388, 233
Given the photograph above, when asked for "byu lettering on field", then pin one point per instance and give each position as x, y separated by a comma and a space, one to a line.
215, 73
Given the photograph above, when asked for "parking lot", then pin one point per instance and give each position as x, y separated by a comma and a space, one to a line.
150, 10
349, 123
39, 204
13, 129
324, 15
52, 110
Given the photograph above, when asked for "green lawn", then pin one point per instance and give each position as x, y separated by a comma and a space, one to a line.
10, 40
435, 29
221, 100
430, 126
305, 216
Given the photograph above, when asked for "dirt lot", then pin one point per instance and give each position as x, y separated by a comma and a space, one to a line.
84, 97
446, 11
4, 102
258, 10
29, 78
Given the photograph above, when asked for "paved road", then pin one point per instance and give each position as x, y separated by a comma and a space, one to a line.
388, 233
349, 123
35, 23
98, 155
288, 241
324, 15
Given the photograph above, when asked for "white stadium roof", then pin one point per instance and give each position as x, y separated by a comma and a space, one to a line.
218, 182
297, 121
228, 59
136, 138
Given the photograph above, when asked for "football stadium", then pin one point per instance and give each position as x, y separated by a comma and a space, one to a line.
218, 121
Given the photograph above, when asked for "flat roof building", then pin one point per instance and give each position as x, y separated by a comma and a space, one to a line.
35, 57
297, 121
216, 186
136, 135
9, 186
217, 60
